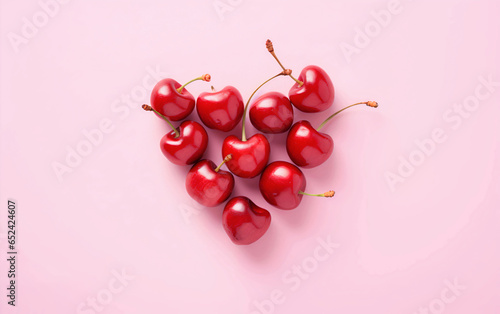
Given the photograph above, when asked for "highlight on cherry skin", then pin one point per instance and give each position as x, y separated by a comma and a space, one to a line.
313, 90
220, 110
207, 184
183, 145
172, 100
243, 221
309, 148
272, 113
283, 184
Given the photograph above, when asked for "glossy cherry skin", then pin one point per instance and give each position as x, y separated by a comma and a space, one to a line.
316, 93
307, 147
244, 221
189, 147
280, 184
221, 110
272, 113
169, 102
208, 187
250, 157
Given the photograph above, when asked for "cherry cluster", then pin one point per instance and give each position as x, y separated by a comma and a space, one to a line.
281, 183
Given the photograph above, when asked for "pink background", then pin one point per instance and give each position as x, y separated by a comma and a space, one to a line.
426, 243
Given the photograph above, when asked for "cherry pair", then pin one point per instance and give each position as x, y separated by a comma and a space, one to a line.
281, 184
313, 91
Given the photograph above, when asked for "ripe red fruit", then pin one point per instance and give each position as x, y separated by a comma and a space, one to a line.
172, 100
244, 221
188, 147
307, 147
316, 93
250, 157
183, 145
221, 110
271, 113
282, 185
313, 90
207, 184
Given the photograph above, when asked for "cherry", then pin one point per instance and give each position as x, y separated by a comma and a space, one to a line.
307, 147
315, 94
172, 100
313, 90
207, 184
220, 110
272, 113
244, 221
250, 156
185, 145
282, 185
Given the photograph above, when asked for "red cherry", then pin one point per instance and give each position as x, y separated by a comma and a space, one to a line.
316, 93
282, 185
207, 184
172, 100
307, 147
250, 157
183, 145
244, 221
271, 113
220, 110
188, 147
313, 91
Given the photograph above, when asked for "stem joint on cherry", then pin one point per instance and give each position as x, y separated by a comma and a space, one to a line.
149, 108
243, 131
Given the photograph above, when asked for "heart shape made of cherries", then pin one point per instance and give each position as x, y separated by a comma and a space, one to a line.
282, 184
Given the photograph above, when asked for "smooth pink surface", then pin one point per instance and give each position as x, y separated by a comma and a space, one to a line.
123, 206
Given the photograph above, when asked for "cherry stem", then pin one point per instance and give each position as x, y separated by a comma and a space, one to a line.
243, 133
326, 194
149, 108
370, 103
204, 77
226, 159
270, 48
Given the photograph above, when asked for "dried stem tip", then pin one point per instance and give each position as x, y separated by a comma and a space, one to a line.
226, 159
372, 103
329, 193
206, 77
147, 107
269, 45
